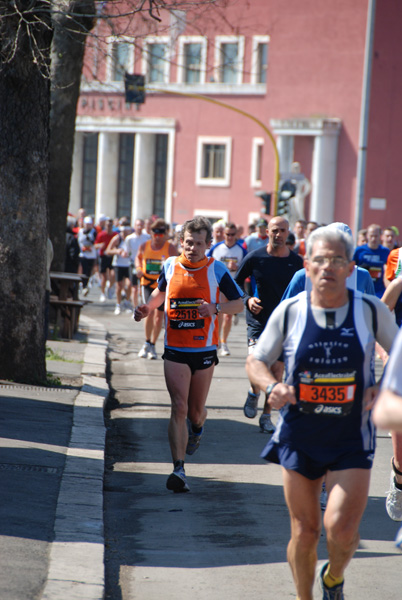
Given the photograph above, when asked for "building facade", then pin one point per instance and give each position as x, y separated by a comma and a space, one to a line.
237, 91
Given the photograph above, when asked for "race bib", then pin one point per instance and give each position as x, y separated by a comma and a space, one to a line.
183, 313
153, 266
326, 392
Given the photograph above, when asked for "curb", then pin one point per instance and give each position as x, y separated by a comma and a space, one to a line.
76, 558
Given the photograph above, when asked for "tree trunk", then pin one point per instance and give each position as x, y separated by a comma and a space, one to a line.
67, 59
24, 127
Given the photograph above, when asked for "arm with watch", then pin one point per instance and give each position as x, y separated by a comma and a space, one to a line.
229, 307
278, 394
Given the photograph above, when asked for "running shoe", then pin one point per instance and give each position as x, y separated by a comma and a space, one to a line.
194, 439
334, 593
266, 425
152, 352
251, 405
85, 291
323, 497
102, 298
143, 353
117, 310
224, 351
393, 502
177, 481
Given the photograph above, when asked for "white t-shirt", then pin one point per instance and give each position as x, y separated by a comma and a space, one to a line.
133, 242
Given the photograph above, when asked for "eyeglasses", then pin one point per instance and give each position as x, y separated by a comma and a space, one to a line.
159, 231
337, 262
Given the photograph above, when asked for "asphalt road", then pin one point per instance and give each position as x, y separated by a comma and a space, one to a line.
227, 538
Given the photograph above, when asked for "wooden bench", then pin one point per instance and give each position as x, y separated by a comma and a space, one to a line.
66, 315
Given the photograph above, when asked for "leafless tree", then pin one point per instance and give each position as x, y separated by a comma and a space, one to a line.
41, 41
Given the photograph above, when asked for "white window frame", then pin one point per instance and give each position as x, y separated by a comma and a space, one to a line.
214, 182
229, 39
256, 144
212, 214
148, 41
258, 39
181, 67
109, 59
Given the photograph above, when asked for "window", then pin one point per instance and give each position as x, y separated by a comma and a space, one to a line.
229, 53
89, 170
256, 162
191, 59
260, 59
192, 63
121, 58
156, 60
213, 161
125, 174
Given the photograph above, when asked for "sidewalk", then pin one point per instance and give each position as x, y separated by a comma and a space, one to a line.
52, 444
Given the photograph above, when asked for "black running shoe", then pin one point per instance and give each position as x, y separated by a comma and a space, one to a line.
177, 481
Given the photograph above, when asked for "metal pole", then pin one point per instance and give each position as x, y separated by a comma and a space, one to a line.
364, 117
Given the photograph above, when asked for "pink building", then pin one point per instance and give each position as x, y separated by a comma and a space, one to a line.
323, 77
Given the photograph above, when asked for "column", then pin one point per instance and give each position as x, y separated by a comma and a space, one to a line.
322, 206
143, 181
285, 145
76, 175
107, 173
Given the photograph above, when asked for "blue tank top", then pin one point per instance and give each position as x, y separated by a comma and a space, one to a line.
330, 368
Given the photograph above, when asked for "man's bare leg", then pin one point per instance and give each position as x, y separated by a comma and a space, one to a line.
302, 498
347, 499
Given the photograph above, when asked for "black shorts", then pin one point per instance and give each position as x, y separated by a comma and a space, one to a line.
134, 278
197, 361
146, 291
105, 263
122, 273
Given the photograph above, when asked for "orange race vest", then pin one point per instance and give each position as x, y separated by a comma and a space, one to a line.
186, 288
152, 263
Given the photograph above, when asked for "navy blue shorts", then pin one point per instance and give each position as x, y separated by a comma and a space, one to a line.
297, 460
197, 361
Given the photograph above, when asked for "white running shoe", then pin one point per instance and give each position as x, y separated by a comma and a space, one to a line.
117, 310
152, 352
393, 502
143, 353
224, 351
102, 298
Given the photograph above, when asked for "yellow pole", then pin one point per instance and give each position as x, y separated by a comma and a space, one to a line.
245, 114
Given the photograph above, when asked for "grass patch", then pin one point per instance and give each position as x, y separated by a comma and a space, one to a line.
55, 355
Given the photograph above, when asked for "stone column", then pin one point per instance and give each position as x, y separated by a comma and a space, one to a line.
285, 145
144, 168
323, 176
107, 173
76, 175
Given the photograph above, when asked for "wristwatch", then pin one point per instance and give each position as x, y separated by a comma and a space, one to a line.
217, 308
269, 388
